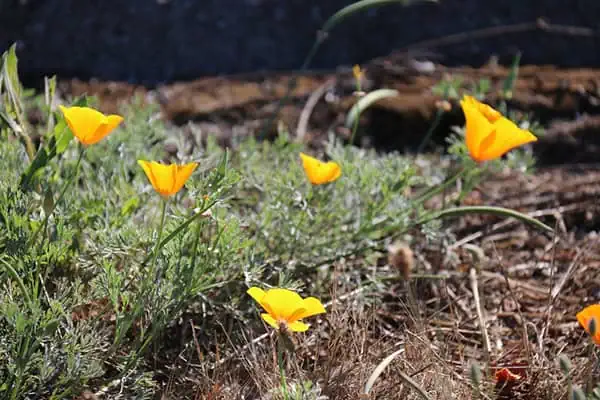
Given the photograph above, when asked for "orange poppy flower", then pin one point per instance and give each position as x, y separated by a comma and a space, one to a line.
88, 125
167, 179
489, 134
504, 375
285, 308
585, 318
319, 172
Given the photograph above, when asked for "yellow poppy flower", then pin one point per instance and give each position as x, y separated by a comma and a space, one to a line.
319, 172
88, 125
489, 134
167, 179
285, 308
585, 317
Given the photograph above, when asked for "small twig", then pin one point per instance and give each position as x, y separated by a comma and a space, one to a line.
310, 105
198, 351
478, 259
405, 378
484, 334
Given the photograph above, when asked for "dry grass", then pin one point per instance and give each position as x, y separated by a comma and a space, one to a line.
530, 288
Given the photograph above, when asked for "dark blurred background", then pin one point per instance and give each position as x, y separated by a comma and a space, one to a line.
157, 41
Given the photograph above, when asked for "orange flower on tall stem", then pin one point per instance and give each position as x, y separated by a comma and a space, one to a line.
585, 318
167, 179
89, 126
319, 172
489, 134
285, 308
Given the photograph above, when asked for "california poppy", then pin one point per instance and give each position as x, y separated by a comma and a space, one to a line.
489, 134
167, 179
89, 125
285, 308
319, 172
585, 318
505, 375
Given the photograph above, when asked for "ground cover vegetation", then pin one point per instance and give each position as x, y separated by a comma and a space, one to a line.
260, 271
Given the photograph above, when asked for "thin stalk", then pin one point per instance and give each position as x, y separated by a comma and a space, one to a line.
181, 227
281, 368
196, 242
358, 91
160, 231
429, 193
60, 196
500, 211
432, 128
155, 274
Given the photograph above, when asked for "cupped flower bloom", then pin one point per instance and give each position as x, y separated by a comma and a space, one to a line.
285, 308
167, 179
89, 126
319, 172
505, 375
489, 134
585, 318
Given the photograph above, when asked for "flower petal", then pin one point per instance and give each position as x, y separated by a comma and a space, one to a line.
296, 315
182, 174
110, 123
505, 375
83, 122
256, 293
298, 326
477, 127
319, 172
311, 306
167, 179
507, 136
162, 177
333, 171
282, 303
488, 134
585, 316
147, 167
488, 112
270, 320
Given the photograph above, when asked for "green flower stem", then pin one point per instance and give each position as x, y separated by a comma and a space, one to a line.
280, 351
429, 193
500, 211
185, 224
196, 242
157, 247
60, 196
144, 340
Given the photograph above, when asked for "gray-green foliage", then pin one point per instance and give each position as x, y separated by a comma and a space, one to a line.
82, 296
85, 302
293, 222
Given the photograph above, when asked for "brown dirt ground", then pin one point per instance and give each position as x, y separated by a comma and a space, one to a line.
530, 284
